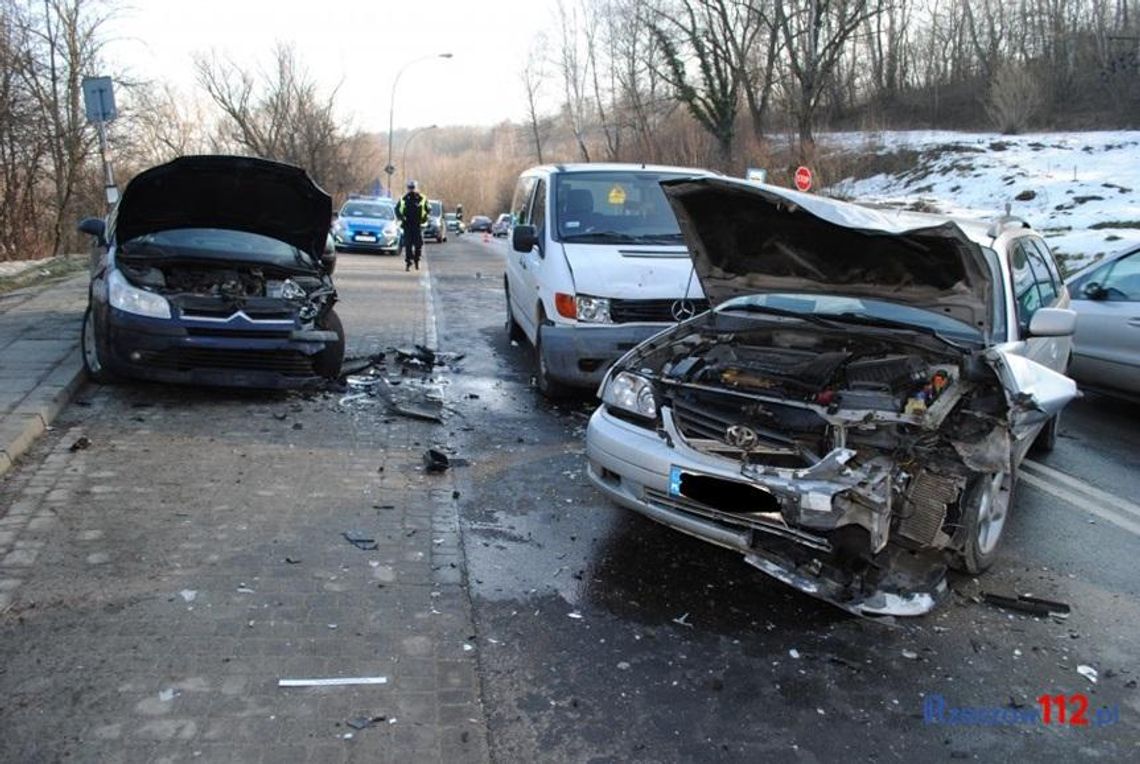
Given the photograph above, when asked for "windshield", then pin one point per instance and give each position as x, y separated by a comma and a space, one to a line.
436, 208
215, 244
614, 207
368, 210
857, 308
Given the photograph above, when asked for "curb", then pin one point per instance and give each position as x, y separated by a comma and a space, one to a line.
34, 416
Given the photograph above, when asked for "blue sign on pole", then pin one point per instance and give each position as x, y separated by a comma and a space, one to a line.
99, 99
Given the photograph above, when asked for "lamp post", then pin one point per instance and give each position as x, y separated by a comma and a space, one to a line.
404, 153
389, 169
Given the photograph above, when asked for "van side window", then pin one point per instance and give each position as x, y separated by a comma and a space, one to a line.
538, 206
520, 205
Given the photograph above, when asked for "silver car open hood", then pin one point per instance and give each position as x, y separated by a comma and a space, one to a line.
234, 193
747, 238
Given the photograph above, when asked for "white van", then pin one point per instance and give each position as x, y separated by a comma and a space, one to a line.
596, 264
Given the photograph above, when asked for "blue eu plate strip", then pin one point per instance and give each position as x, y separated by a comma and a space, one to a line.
674, 481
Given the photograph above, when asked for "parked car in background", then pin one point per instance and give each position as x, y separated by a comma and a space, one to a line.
454, 224
435, 226
216, 270
367, 225
502, 225
851, 414
479, 223
597, 264
1106, 347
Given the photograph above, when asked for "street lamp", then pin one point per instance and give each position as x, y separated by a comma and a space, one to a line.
404, 154
389, 169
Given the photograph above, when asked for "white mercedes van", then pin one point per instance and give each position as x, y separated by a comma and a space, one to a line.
596, 264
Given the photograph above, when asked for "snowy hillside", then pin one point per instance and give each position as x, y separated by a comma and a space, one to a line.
1081, 190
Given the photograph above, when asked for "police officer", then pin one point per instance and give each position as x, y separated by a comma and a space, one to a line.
412, 210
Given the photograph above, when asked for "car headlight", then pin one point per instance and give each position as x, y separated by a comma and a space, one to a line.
631, 393
390, 229
131, 299
594, 310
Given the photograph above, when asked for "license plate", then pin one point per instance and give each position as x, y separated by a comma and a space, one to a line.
365, 237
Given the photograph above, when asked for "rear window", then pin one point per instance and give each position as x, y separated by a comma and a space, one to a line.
614, 207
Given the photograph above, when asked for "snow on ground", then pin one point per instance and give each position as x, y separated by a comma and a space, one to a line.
1080, 190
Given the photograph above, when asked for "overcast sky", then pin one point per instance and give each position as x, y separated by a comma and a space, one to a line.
358, 44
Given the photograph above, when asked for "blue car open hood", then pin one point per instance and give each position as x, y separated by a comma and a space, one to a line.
235, 193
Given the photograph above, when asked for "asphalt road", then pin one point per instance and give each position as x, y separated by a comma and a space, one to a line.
603, 636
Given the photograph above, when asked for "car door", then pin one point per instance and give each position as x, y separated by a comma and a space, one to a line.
520, 282
1106, 349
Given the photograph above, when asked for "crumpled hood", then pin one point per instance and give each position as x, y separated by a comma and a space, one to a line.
235, 193
645, 273
748, 238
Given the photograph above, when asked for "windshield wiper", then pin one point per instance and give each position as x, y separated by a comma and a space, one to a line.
602, 236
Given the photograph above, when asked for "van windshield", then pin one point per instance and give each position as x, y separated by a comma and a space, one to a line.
614, 207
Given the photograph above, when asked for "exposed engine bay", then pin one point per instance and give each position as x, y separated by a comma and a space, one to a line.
236, 284
854, 453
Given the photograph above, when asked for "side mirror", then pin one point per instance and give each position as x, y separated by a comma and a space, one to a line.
96, 227
328, 257
524, 238
1053, 322
1094, 291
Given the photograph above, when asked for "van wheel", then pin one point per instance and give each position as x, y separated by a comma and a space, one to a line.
551, 388
93, 364
985, 506
514, 331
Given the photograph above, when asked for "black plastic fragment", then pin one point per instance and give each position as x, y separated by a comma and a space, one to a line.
360, 540
1024, 604
435, 461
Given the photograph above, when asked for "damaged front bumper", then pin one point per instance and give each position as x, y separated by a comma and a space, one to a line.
784, 522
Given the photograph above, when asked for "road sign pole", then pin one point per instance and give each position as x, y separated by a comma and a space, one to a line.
109, 187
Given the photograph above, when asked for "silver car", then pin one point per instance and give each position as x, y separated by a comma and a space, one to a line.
1106, 347
852, 413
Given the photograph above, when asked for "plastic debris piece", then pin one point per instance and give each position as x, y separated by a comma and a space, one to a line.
188, 595
166, 695
1088, 672
435, 461
351, 398
361, 540
1026, 604
81, 443
910, 655
292, 561
362, 722
575, 615
332, 681
623, 665
682, 621
794, 653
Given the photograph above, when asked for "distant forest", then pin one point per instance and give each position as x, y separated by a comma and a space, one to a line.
715, 83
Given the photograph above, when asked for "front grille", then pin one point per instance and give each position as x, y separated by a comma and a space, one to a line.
211, 309
704, 427
652, 311
288, 363
248, 334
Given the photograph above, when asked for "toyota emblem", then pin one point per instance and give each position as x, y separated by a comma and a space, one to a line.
739, 436
683, 309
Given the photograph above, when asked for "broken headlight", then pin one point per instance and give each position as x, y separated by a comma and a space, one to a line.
632, 393
131, 299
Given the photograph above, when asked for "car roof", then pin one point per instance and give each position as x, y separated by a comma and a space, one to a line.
615, 167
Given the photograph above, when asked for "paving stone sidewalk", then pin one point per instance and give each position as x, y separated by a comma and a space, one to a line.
168, 555
40, 364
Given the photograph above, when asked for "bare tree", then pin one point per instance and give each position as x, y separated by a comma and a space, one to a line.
533, 78
574, 72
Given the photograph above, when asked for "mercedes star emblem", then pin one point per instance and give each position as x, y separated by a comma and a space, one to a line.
739, 436
683, 309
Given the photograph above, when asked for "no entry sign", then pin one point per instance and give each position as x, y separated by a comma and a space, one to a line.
803, 178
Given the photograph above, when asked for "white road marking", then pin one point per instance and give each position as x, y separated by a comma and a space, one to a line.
1081, 503
1079, 485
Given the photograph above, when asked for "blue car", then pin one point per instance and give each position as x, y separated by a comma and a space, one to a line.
215, 270
367, 225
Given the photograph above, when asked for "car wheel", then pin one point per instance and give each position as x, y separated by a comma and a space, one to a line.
550, 388
328, 362
93, 364
1046, 440
985, 506
514, 331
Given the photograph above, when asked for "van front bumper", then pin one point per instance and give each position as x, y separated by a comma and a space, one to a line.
579, 356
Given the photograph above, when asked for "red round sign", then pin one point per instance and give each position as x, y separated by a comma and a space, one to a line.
803, 178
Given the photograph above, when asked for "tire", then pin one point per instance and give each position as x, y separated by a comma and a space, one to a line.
329, 361
985, 507
514, 331
1046, 440
550, 388
93, 364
